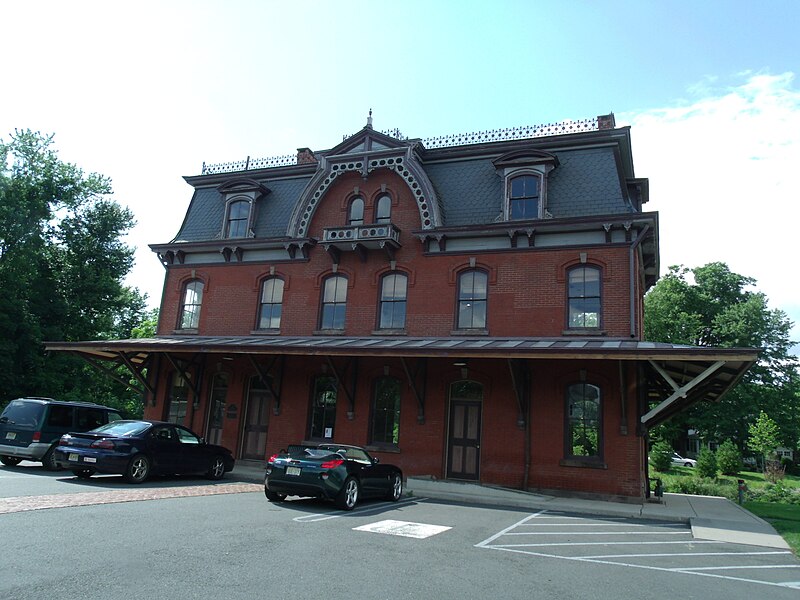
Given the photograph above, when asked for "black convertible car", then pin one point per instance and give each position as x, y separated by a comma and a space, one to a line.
137, 449
337, 472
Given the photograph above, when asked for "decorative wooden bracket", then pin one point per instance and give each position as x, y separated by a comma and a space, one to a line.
349, 390
419, 393
520, 381
267, 378
111, 374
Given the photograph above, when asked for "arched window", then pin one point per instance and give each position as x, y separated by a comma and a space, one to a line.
583, 298
334, 302
238, 218
190, 309
269, 314
523, 197
323, 408
177, 398
584, 421
356, 211
386, 412
394, 289
472, 294
383, 209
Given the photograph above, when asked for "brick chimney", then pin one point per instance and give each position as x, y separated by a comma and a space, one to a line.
606, 121
305, 156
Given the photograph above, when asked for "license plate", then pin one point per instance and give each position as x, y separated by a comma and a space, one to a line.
293, 470
11, 435
73, 457
89, 459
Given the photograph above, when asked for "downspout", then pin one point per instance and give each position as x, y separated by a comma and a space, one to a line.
631, 265
529, 390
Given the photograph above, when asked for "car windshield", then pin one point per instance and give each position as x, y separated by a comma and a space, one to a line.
123, 428
20, 412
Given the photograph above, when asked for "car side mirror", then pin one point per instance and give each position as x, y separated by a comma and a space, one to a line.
202, 440
375, 460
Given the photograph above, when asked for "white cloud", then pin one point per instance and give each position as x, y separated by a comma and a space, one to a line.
722, 170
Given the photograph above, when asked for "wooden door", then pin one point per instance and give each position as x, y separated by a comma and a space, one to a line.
464, 438
254, 443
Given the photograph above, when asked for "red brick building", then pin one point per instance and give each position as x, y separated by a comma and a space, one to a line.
466, 307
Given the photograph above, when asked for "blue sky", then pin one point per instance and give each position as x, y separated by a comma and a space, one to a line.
146, 92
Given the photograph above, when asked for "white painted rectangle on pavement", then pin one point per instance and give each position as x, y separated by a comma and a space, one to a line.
419, 531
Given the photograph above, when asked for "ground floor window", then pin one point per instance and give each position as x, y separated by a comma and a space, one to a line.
386, 412
323, 408
583, 421
177, 398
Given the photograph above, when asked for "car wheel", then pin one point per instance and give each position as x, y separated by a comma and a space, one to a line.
396, 487
49, 460
83, 473
138, 469
688, 464
10, 461
217, 468
274, 496
348, 495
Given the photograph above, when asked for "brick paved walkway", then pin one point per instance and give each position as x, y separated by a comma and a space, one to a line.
25, 503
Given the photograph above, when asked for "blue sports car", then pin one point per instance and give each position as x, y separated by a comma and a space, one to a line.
138, 449
337, 472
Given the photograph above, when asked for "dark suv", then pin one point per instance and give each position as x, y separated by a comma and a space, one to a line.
31, 427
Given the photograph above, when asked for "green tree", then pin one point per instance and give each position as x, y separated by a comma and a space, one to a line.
706, 463
764, 436
729, 459
661, 456
62, 264
712, 306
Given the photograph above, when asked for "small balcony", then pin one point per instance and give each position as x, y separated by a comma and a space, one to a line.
361, 239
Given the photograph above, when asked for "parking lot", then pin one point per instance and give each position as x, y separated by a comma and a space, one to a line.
191, 534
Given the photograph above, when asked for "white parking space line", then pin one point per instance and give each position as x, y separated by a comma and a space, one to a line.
530, 527
418, 531
364, 510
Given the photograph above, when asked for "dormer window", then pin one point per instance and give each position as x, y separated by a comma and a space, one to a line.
238, 219
356, 211
523, 197
383, 209
524, 174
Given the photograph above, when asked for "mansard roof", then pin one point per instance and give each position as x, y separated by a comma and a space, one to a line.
455, 186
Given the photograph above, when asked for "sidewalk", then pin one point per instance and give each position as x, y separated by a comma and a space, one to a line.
711, 517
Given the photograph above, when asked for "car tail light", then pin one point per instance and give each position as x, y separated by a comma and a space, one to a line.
272, 458
106, 444
65, 440
332, 464
37, 436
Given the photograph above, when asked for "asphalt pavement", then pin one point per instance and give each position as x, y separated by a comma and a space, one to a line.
710, 517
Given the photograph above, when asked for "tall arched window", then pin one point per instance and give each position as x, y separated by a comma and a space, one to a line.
177, 398
472, 294
356, 216
386, 412
383, 209
523, 197
583, 298
334, 302
238, 218
269, 316
323, 408
584, 421
394, 289
190, 308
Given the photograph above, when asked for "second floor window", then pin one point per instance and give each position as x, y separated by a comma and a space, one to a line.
334, 302
356, 216
394, 288
383, 209
190, 308
271, 304
472, 293
583, 298
238, 218
523, 197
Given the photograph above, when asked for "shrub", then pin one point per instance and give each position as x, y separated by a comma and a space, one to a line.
706, 463
661, 456
729, 460
697, 486
789, 466
774, 471
775, 492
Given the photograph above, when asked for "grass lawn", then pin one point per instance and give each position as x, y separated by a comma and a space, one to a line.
785, 518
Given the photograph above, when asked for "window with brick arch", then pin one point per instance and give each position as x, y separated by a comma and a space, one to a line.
386, 412
584, 422
323, 408
356, 214
334, 302
394, 290
177, 399
472, 297
583, 298
190, 306
271, 306
383, 209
